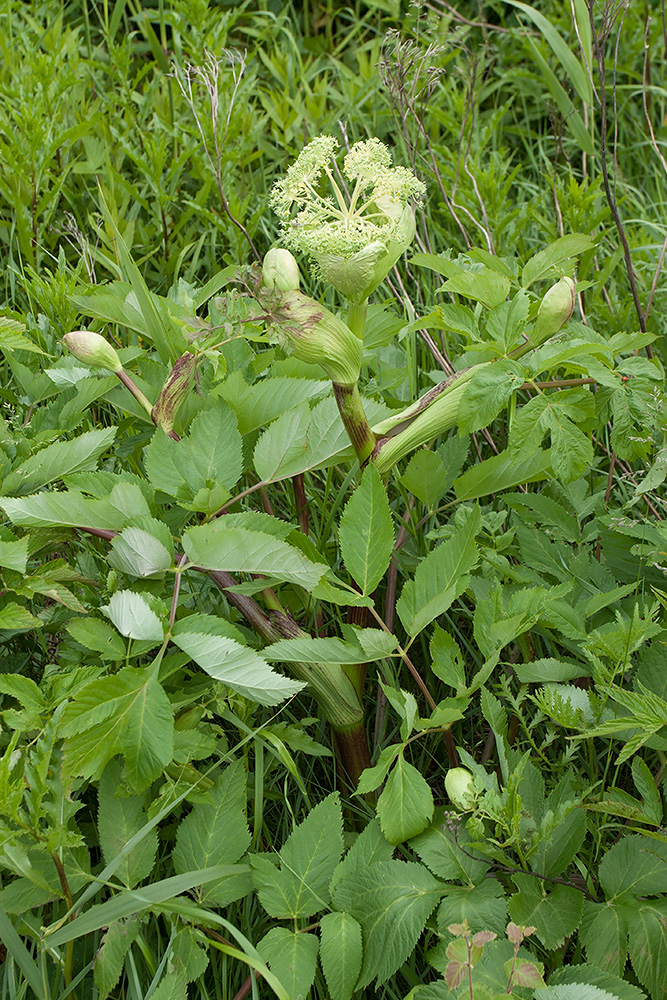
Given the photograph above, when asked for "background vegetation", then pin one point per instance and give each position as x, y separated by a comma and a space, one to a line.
139, 142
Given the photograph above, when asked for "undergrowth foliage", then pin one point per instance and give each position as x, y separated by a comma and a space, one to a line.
332, 451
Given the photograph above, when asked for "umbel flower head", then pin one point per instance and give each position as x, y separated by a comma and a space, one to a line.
351, 241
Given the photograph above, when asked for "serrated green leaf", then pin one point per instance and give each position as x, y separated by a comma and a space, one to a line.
558, 253
139, 553
635, 866
257, 405
300, 888
209, 642
98, 636
238, 550
58, 460
14, 554
426, 477
440, 577
487, 393
558, 844
23, 689
292, 957
502, 472
340, 953
366, 532
118, 820
484, 907
215, 833
329, 650
405, 806
110, 958
392, 900
591, 975
648, 946
575, 991
446, 851
648, 790
128, 712
604, 934
283, 446
369, 847
12, 339
133, 616
17, 618
555, 914
72, 509
202, 467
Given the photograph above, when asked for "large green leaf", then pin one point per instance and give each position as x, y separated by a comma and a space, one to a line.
110, 958
490, 388
392, 900
118, 820
648, 946
340, 953
133, 616
557, 254
239, 550
72, 509
369, 847
635, 866
331, 650
201, 469
257, 405
293, 958
502, 472
444, 848
440, 577
555, 914
58, 460
405, 807
127, 712
14, 554
216, 832
142, 551
212, 643
484, 906
366, 532
300, 887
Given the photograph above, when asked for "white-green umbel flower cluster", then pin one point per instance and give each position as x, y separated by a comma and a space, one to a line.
353, 238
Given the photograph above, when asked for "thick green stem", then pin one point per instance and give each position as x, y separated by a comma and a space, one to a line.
356, 318
354, 418
437, 418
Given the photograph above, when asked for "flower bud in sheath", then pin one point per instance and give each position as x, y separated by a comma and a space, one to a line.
174, 392
555, 309
280, 270
459, 787
311, 333
92, 350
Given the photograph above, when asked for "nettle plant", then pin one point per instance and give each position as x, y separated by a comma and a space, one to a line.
229, 546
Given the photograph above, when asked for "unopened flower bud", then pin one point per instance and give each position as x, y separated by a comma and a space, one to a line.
312, 334
174, 392
459, 787
92, 350
280, 270
555, 309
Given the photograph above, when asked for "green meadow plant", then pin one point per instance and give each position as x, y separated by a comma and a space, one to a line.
333, 645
